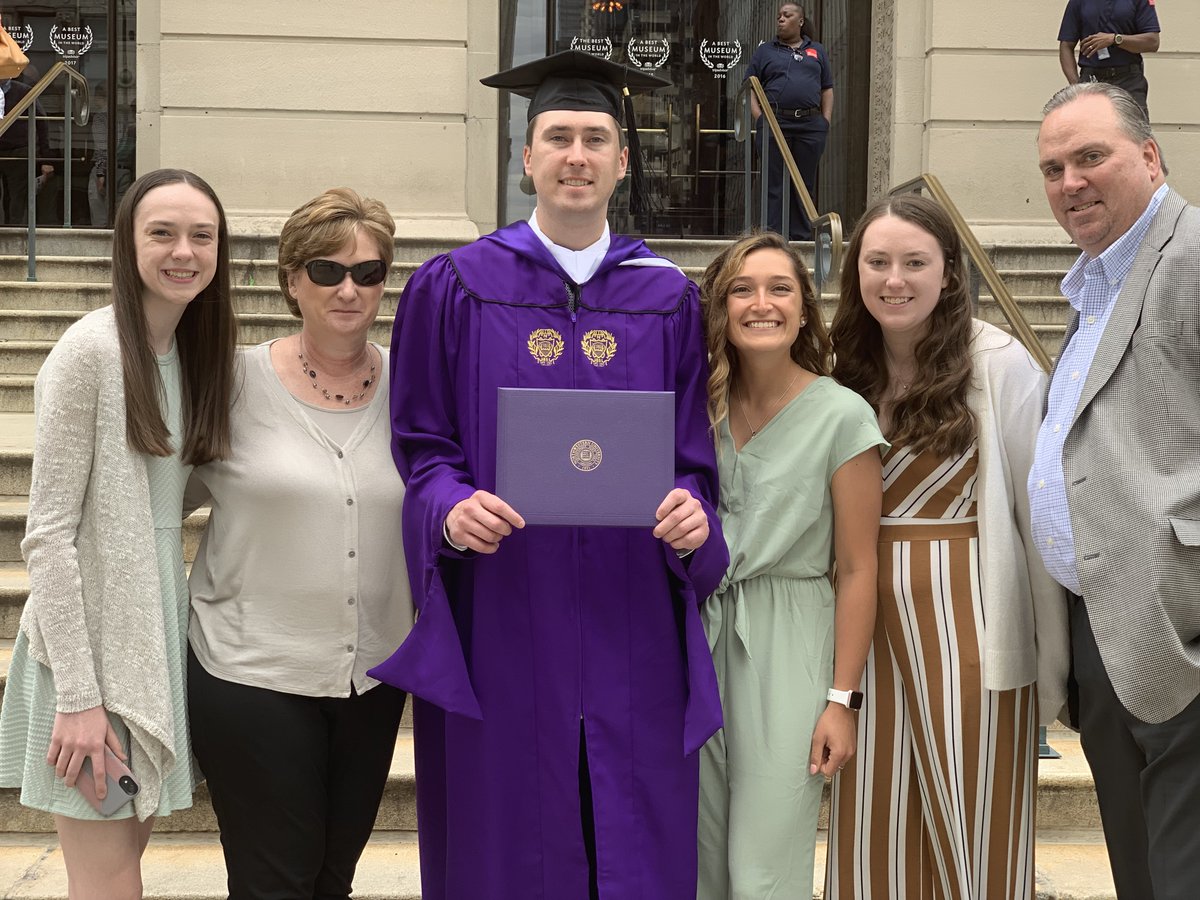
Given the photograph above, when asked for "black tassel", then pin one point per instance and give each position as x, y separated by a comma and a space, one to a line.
640, 198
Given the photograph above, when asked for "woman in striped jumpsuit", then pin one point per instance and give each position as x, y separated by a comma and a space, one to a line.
938, 801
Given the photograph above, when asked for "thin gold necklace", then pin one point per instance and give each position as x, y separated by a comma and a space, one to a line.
894, 376
338, 398
770, 409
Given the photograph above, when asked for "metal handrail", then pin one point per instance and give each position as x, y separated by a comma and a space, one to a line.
827, 228
983, 264
75, 83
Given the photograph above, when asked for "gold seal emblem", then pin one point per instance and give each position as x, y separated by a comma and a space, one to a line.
545, 345
599, 346
586, 455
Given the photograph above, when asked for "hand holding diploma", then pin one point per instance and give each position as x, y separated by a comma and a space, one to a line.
481, 521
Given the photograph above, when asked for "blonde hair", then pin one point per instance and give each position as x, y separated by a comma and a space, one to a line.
326, 224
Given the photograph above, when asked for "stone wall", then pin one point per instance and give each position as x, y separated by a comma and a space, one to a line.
276, 100
959, 90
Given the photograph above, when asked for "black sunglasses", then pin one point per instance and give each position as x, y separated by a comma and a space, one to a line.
328, 273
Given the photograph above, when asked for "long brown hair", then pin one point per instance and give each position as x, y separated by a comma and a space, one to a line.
810, 349
206, 337
933, 414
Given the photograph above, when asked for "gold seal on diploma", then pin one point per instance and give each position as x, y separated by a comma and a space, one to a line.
545, 345
586, 455
599, 346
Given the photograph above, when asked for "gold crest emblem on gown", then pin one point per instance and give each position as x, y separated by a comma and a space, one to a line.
545, 345
586, 455
599, 346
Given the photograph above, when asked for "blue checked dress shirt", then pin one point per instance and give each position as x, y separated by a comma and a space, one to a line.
1091, 287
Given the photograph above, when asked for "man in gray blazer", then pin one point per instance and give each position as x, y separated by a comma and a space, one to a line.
1115, 486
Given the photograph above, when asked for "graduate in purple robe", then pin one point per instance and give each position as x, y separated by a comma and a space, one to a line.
562, 679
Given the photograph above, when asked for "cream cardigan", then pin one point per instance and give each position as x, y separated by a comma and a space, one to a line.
1025, 610
94, 613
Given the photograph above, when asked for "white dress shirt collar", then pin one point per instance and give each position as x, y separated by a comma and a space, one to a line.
580, 265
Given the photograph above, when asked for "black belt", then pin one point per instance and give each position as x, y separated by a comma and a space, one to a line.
797, 113
1110, 72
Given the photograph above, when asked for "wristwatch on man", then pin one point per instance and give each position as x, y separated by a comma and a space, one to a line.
1118, 39
848, 699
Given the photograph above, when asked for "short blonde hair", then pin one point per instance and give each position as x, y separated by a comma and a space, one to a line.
324, 225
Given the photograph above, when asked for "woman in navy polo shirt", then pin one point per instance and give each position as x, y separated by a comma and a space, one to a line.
794, 71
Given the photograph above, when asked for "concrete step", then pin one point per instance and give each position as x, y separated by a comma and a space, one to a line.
45, 296
253, 328
1073, 865
60, 242
189, 866
16, 466
97, 242
12, 528
16, 453
1029, 282
1071, 859
56, 272
14, 591
1069, 865
57, 242
1066, 798
255, 289
397, 810
1057, 256
1050, 310
16, 393
23, 357
14, 510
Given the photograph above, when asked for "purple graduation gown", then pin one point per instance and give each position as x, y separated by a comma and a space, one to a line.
511, 652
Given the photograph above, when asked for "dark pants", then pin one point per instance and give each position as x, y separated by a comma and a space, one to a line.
14, 174
1147, 781
1133, 81
806, 139
295, 781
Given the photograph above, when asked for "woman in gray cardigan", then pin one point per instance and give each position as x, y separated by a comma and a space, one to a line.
129, 399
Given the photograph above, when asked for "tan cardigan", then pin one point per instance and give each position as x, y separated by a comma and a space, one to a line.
1025, 610
94, 613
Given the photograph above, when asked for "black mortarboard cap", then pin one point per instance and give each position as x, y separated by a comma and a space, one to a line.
575, 80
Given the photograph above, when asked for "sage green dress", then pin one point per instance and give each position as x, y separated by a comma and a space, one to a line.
27, 716
770, 626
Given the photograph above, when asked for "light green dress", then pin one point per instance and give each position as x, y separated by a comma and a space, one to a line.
770, 627
27, 716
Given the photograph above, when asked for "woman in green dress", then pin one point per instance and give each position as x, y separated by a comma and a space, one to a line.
129, 399
791, 622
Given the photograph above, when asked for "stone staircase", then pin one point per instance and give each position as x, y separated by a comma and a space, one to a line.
184, 860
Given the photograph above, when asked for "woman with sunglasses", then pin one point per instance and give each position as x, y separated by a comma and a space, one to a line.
299, 585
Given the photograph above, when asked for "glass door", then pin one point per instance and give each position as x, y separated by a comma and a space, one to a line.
100, 40
695, 166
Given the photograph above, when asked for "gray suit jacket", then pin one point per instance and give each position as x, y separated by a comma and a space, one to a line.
1132, 467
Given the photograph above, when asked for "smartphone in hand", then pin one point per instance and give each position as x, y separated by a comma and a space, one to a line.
122, 786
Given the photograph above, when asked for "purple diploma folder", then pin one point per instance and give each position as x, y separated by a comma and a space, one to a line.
585, 457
